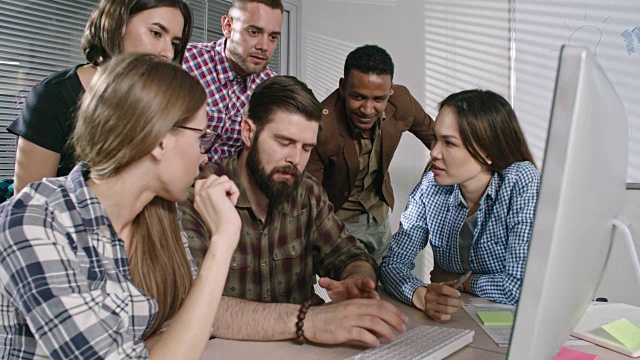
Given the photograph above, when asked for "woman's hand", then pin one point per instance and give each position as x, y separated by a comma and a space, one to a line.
439, 300
215, 198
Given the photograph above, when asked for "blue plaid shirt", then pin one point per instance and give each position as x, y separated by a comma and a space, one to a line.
65, 284
500, 240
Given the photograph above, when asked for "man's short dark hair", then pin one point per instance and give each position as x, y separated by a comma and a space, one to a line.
369, 59
274, 4
284, 93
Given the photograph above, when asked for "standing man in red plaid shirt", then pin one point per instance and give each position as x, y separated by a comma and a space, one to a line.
231, 68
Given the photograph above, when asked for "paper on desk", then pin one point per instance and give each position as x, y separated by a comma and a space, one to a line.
501, 335
570, 354
599, 314
320, 291
624, 331
496, 318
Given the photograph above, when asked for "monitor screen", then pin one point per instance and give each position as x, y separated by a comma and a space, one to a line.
582, 191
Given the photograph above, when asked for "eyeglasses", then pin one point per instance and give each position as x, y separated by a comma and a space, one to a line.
207, 139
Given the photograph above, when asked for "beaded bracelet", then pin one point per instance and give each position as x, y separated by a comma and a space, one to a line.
304, 308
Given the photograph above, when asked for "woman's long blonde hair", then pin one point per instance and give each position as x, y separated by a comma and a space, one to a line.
134, 101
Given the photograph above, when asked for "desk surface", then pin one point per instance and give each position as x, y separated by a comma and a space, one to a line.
482, 347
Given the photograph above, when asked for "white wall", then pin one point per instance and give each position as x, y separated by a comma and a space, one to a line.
332, 28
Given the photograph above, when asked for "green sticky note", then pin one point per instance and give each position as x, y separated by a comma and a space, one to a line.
495, 318
625, 332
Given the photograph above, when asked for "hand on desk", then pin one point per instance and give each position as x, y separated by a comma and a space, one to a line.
352, 288
363, 320
438, 300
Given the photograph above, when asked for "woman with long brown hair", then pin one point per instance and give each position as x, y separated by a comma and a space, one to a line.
159, 27
94, 264
475, 205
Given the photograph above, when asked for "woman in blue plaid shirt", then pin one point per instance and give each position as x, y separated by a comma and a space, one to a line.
94, 265
475, 205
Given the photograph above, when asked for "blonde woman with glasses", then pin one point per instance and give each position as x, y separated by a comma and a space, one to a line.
94, 264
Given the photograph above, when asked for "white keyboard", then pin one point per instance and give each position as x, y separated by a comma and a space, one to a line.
421, 342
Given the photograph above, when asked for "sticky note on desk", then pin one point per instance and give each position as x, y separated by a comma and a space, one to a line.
496, 318
625, 332
570, 354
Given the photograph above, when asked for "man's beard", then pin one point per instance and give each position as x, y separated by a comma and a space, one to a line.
243, 61
277, 191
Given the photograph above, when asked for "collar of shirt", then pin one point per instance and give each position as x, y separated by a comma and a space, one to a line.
226, 72
357, 133
489, 194
93, 214
223, 66
95, 218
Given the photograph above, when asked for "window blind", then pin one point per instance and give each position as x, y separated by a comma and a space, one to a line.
611, 30
37, 38
467, 46
40, 37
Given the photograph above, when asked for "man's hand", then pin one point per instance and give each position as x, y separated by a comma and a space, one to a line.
438, 301
362, 320
352, 288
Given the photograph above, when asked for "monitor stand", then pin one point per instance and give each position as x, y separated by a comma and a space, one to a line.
620, 279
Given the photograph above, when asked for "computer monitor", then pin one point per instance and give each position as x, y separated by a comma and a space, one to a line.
582, 192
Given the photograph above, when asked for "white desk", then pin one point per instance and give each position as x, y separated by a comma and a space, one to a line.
482, 348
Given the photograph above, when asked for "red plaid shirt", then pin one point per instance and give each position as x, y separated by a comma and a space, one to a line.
227, 93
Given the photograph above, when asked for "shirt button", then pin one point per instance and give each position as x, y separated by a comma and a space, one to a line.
345, 193
264, 264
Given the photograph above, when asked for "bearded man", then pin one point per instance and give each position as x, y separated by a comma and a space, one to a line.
289, 234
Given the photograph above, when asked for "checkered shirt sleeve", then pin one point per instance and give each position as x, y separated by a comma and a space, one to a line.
397, 265
499, 249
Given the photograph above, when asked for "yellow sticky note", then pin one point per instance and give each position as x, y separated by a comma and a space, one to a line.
625, 332
495, 318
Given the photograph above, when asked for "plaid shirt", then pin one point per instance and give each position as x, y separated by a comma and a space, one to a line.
66, 289
276, 261
500, 240
227, 93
